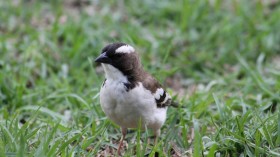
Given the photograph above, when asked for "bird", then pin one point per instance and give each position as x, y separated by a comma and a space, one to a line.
130, 96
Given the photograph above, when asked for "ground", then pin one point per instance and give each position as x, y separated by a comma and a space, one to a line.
219, 59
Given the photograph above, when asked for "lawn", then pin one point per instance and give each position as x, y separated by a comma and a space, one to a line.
219, 59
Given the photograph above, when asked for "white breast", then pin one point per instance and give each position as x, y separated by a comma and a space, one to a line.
126, 108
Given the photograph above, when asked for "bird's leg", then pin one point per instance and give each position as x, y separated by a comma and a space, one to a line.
157, 133
121, 141
155, 141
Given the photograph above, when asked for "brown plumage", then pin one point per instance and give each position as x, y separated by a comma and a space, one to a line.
129, 94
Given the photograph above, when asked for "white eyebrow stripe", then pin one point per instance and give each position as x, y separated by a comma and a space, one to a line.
125, 49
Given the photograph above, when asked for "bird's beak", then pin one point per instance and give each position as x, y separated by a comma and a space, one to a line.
103, 58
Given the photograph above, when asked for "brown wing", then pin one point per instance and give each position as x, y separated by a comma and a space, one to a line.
161, 97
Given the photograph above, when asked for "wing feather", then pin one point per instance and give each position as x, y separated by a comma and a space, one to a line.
162, 98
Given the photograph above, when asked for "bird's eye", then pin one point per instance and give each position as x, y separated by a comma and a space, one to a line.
118, 55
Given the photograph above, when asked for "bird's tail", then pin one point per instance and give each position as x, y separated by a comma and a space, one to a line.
176, 104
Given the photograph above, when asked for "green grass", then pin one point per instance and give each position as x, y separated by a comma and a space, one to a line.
220, 59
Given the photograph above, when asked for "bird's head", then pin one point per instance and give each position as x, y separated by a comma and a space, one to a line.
119, 60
